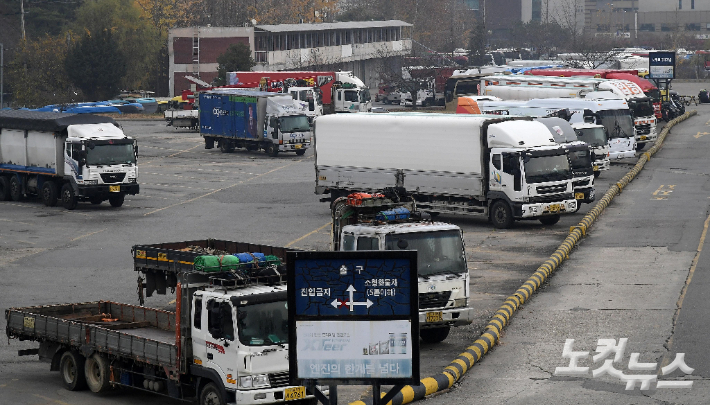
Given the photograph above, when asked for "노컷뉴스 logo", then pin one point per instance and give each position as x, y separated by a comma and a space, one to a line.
605, 348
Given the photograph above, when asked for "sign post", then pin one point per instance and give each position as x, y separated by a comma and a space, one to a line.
355, 320
661, 68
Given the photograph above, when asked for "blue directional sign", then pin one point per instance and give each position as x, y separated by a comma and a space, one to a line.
353, 316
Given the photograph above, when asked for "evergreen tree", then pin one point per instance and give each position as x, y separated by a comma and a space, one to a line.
96, 66
477, 45
237, 58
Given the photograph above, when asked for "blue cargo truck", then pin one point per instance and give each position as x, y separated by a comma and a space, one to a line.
253, 120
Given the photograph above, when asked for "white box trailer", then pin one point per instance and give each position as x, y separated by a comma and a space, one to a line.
73, 157
450, 163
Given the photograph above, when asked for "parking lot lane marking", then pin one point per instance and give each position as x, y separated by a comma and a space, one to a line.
88, 234
56, 401
23, 223
307, 235
679, 304
223, 188
173, 155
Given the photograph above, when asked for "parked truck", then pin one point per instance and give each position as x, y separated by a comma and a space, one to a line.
595, 135
505, 169
235, 118
341, 92
226, 341
65, 157
182, 118
613, 114
391, 221
526, 87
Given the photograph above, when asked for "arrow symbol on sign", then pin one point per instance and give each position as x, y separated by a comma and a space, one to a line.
701, 134
337, 303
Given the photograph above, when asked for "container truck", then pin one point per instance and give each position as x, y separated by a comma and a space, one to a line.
391, 221
613, 114
225, 343
235, 118
181, 118
340, 92
65, 157
505, 169
526, 87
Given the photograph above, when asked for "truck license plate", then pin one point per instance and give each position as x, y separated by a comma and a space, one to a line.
291, 394
298, 146
114, 189
434, 316
643, 137
595, 168
553, 207
579, 196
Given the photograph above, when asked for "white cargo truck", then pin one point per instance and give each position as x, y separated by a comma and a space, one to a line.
391, 221
595, 136
70, 157
528, 87
457, 164
613, 114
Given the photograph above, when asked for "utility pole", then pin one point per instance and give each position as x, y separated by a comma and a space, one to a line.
2, 79
22, 17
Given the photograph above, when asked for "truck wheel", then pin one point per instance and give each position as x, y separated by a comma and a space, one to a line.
226, 147
50, 193
272, 150
97, 373
71, 368
4, 189
501, 215
300, 152
15, 189
116, 200
69, 200
597, 174
640, 146
96, 200
551, 219
434, 335
211, 395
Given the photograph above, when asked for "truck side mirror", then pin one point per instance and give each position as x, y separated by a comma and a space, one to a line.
273, 122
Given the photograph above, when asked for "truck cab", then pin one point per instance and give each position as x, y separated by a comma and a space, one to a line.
242, 336
595, 135
350, 94
312, 99
375, 222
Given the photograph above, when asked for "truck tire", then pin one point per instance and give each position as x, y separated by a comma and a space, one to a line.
116, 200
501, 215
226, 147
640, 146
71, 369
69, 200
15, 189
4, 189
50, 193
97, 373
434, 335
551, 219
272, 150
210, 395
597, 174
300, 152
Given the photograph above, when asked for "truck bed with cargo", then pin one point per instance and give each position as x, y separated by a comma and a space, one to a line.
505, 169
226, 341
70, 157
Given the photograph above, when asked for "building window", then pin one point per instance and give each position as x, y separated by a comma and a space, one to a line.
537, 10
680, 4
692, 27
692, 4
471, 4
647, 27
666, 27
602, 27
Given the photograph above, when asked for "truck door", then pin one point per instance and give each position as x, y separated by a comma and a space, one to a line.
220, 346
506, 175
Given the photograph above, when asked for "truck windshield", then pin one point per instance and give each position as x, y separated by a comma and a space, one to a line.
295, 123
618, 123
546, 168
364, 95
110, 155
580, 160
437, 252
641, 107
263, 323
593, 136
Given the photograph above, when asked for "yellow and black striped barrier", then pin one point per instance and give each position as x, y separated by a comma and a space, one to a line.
461, 364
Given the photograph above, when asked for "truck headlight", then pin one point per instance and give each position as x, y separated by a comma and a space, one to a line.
131, 179
460, 302
91, 182
254, 381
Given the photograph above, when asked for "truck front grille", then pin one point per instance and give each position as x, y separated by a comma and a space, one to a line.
112, 177
434, 299
279, 379
581, 183
560, 188
643, 129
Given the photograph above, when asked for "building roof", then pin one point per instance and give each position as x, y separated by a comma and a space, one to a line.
332, 26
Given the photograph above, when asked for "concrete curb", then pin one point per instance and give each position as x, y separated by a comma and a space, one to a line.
461, 364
